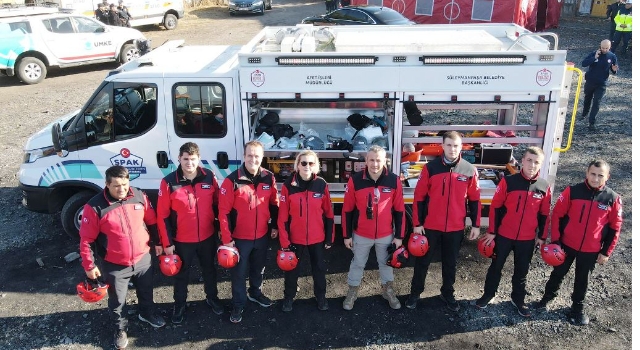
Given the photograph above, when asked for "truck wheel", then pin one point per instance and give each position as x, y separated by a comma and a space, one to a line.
71, 214
170, 21
128, 53
31, 70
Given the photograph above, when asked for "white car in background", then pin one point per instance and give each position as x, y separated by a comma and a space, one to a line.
31, 43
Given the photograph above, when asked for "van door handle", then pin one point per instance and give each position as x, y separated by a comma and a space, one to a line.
162, 159
223, 160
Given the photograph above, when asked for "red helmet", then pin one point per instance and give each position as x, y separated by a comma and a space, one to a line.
287, 260
228, 257
92, 291
418, 245
552, 254
398, 257
486, 249
170, 264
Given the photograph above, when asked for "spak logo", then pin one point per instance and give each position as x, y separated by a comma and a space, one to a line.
543, 77
130, 161
257, 78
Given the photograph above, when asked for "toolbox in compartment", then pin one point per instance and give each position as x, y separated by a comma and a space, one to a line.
495, 153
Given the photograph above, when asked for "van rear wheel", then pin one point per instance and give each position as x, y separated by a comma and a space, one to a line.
31, 70
71, 214
170, 21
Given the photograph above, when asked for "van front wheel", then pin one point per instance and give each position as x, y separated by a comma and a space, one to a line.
129, 52
31, 70
71, 214
170, 21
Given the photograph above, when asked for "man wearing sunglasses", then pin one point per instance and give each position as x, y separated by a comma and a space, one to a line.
373, 214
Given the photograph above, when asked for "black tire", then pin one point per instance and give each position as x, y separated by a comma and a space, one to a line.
128, 53
31, 70
71, 214
170, 21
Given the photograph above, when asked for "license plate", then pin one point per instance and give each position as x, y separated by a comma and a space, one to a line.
244, 9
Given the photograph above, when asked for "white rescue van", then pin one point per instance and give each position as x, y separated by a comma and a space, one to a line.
158, 12
482, 80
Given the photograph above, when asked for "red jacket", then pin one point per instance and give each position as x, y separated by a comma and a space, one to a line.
305, 216
186, 208
442, 194
520, 207
587, 219
387, 213
245, 208
118, 228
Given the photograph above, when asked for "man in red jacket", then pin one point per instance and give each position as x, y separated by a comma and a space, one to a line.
519, 208
586, 221
373, 214
187, 203
248, 211
447, 186
114, 221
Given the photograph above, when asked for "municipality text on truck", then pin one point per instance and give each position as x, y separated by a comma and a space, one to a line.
337, 91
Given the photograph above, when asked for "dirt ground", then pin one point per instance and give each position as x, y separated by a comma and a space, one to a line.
39, 308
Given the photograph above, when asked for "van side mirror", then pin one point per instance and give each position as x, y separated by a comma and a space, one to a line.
100, 29
59, 142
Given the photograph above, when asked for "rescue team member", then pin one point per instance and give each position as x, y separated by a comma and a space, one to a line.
373, 214
586, 221
624, 26
124, 14
114, 220
248, 199
519, 209
102, 12
600, 62
447, 186
305, 220
187, 207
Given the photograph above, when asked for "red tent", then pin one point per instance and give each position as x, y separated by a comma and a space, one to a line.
535, 15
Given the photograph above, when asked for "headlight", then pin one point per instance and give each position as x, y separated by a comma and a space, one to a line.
257, 3
231, 3
32, 155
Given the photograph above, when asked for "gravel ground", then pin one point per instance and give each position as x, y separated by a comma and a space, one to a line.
39, 310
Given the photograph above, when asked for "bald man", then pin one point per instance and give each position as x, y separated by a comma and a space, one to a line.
601, 63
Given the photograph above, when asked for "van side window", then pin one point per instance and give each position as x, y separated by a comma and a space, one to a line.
86, 25
199, 110
120, 112
23, 27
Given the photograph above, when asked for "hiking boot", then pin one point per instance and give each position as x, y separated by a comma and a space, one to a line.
323, 304
451, 302
390, 295
236, 315
579, 318
261, 300
178, 314
287, 305
412, 302
120, 340
523, 310
216, 306
483, 302
156, 321
350, 299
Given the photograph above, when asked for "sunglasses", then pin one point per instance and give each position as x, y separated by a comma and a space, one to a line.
304, 163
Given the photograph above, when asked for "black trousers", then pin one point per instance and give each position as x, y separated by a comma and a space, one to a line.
449, 244
118, 277
592, 96
585, 263
253, 257
318, 270
206, 251
522, 254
